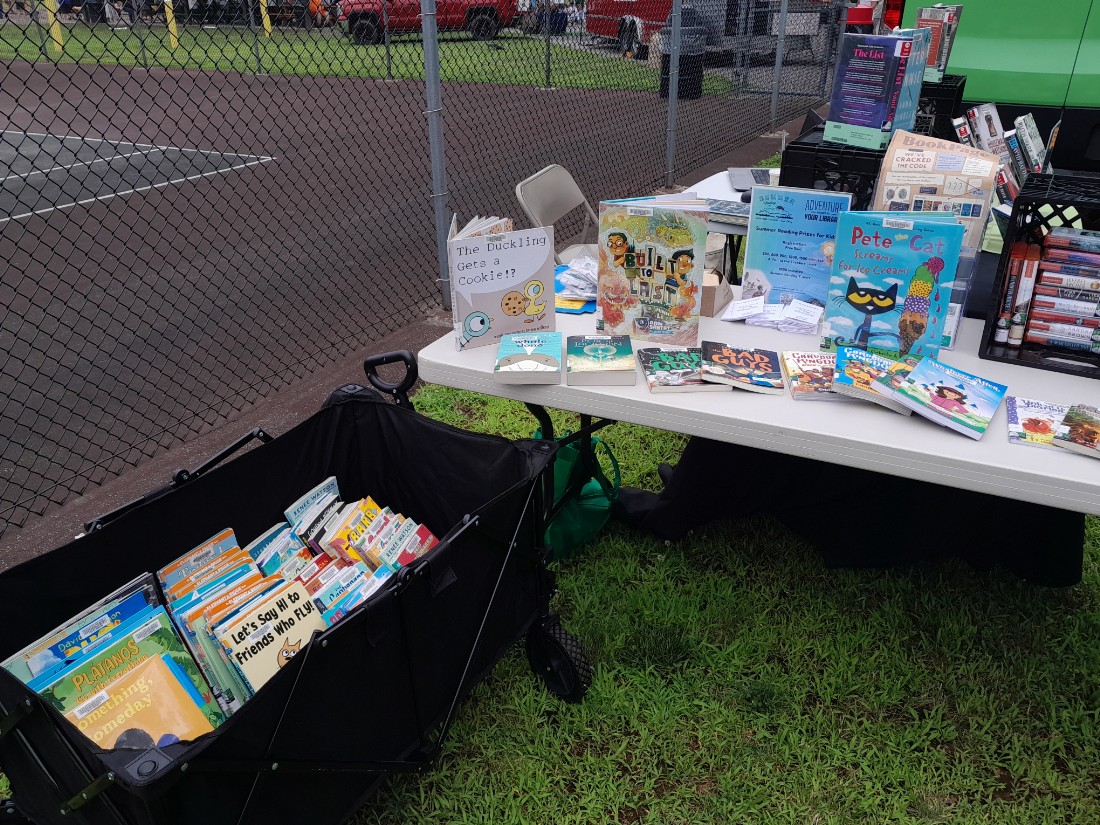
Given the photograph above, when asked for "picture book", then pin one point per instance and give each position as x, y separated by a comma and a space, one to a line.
790, 246
810, 375
950, 397
1079, 430
529, 358
890, 284
877, 86
60, 645
263, 638
1032, 422
757, 370
857, 370
675, 369
153, 636
502, 282
651, 259
152, 705
601, 360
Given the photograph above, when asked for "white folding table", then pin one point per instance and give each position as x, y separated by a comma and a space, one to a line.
850, 433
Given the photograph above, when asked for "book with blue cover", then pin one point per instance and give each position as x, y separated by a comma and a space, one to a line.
961, 401
857, 370
529, 358
789, 248
891, 284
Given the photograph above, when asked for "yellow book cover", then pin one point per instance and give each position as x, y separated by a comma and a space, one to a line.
146, 706
352, 528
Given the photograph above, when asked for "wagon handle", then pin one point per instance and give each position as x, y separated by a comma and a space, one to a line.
399, 391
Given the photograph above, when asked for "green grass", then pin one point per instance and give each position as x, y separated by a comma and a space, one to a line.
511, 59
738, 681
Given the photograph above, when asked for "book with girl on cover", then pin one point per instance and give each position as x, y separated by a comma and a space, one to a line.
950, 397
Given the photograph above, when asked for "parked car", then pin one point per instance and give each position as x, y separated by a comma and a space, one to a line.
367, 20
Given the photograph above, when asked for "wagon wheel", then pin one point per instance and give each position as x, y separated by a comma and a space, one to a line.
558, 659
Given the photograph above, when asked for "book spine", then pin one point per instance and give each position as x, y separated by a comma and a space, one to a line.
899, 66
1072, 256
1025, 288
1091, 282
962, 131
975, 132
1062, 318
1003, 186
1068, 332
1030, 151
1073, 294
1083, 309
1012, 276
1076, 244
1065, 343
1019, 165
1048, 154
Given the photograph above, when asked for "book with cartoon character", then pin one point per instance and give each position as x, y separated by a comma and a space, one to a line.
529, 358
789, 249
675, 369
857, 370
757, 370
1080, 430
502, 281
651, 260
952, 398
810, 375
891, 284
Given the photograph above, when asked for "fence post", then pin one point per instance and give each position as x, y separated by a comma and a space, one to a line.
265, 18
386, 34
433, 93
546, 31
170, 22
778, 75
673, 92
57, 39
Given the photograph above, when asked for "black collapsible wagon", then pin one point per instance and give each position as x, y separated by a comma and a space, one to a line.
372, 695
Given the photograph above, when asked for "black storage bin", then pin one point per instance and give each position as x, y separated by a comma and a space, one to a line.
810, 164
1044, 201
939, 102
309, 746
693, 47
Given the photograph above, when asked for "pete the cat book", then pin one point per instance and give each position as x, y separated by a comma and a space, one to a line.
890, 284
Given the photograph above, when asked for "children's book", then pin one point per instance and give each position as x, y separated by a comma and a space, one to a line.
152, 636
789, 248
600, 360
502, 281
152, 705
264, 637
857, 370
810, 375
196, 558
297, 510
950, 397
890, 381
1032, 422
529, 358
1080, 430
891, 284
675, 369
757, 370
877, 86
651, 264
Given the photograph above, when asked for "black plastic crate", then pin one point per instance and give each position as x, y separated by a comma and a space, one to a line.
810, 164
942, 101
1044, 201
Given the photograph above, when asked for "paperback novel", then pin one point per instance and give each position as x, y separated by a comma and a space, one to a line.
857, 370
809, 375
595, 360
757, 370
1080, 430
675, 369
950, 397
1032, 422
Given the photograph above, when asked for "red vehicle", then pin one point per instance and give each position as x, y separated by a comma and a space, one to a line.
368, 20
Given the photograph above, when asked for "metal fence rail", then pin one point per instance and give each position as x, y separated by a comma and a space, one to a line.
204, 202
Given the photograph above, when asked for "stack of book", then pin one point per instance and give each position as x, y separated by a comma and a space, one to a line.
1065, 308
208, 630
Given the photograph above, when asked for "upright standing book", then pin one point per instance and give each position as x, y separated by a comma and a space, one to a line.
757, 370
951, 398
789, 248
502, 281
599, 360
529, 358
651, 269
890, 285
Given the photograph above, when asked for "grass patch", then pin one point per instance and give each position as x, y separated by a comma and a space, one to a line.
738, 681
511, 59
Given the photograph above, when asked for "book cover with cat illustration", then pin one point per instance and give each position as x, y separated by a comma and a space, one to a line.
950, 397
651, 260
890, 285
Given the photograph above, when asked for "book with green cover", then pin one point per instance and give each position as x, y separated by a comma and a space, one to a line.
600, 360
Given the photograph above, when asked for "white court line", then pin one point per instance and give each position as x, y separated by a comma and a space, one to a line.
143, 145
112, 159
110, 195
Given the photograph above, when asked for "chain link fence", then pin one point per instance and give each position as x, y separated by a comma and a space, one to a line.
204, 202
